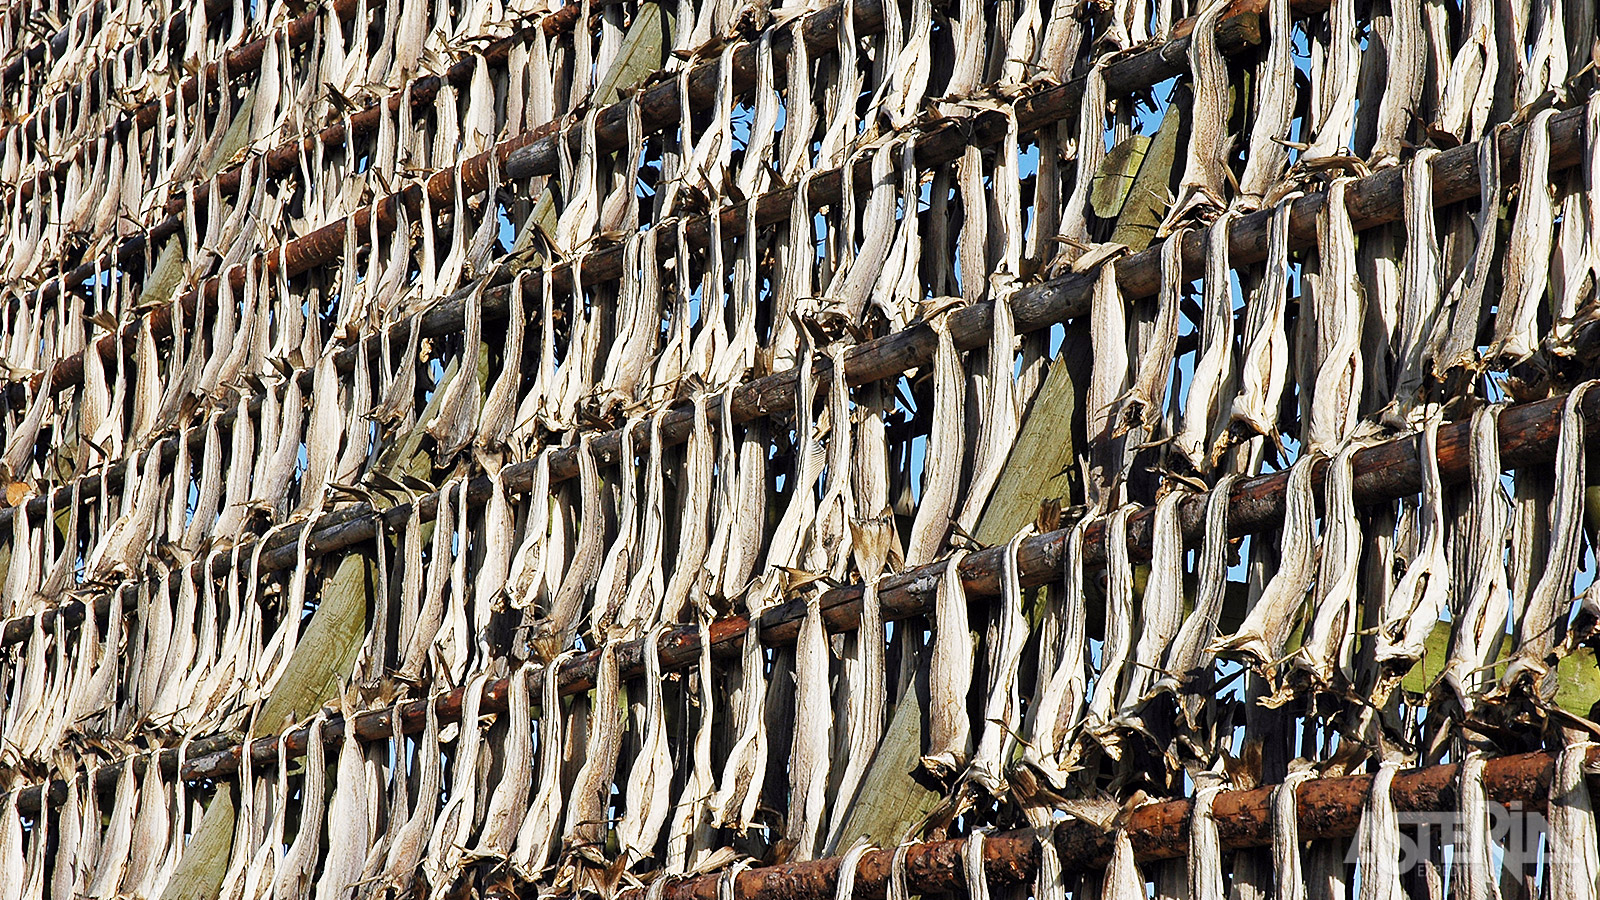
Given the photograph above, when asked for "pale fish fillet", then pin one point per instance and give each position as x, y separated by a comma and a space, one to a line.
1108, 333
808, 765
648, 790
1274, 85
1213, 377
1455, 337
1423, 592
1263, 373
1187, 655
1338, 313
972, 866
1267, 625
111, 857
1516, 333
508, 802
1333, 104
411, 840
1060, 703
1572, 852
1205, 844
1119, 617
1419, 311
689, 837
452, 828
864, 674
1205, 176
538, 834
950, 675
1475, 875
942, 470
349, 825
1148, 394
1123, 881
1330, 641
587, 808
1378, 838
1286, 866
740, 787
1002, 713
293, 875
1161, 606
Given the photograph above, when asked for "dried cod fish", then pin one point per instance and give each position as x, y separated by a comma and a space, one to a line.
950, 675
1205, 175
1289, 880
1205, 844
1379, 837
1528, 255
1480, 612
1423, 592
942, 470
1119, 618
1198, 439
1331, 409
1329, 644
1267, 625
808, 760
1474, 874
1002, 712
1161, 605
1538, 626
1059, 706
649, 788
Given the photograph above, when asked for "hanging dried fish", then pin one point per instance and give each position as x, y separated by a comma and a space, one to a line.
949, 675
1266, 627
1537, 629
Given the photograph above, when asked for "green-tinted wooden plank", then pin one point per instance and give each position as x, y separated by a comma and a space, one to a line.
1146, 204
1041, 460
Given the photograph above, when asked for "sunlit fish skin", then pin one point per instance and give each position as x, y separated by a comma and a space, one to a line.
949, 675
1267, 625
